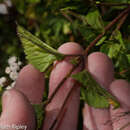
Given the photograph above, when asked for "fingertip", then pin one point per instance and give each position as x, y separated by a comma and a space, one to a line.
70, 48
17, 110
31, 82
120, 117
121, 90
101, 68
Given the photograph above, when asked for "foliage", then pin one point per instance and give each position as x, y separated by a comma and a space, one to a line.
43, 55
58, 21
94, 94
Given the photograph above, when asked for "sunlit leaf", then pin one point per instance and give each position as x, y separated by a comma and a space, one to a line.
101, 40
38, 53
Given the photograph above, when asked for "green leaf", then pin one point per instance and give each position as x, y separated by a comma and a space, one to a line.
93, 93
105, 48
95, 20
38, 53
39, 111
1, 92
33, 1
122, 61
114, 50
101, 40
118, 36
128, 56
68, 8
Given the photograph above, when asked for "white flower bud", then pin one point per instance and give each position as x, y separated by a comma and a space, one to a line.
13, 75
12, 60
8, 2
3, 9
7, 70
14, 67
19, 63
13, 84
2, 81
8, 87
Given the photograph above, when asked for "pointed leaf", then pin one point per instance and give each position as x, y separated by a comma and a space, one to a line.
93, 93
38, 53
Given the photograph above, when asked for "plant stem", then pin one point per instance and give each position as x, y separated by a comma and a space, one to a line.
124, 71
112, 4
121, 21
60, 84
66, 16
119, 25
62, 109
105, 30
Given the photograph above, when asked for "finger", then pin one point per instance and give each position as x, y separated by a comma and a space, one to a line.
101, 68
31, 82
16, 112
120, 117
67, 121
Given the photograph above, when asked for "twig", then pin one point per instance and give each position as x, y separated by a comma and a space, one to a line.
75, 15
62, 110
105, 30
112, 4
119, 25
66, 16
124, 71
121, 21
60, 84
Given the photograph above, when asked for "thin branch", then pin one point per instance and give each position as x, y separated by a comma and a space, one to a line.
112, 4
122, 21
62, 110
60, 84
119, 25
66, 16
75, 15
106, 29
124, 71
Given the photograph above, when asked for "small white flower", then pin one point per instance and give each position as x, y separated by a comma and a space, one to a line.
13, 75
7, 70
14, 67
3, 9
8, 2
12, 60
13, 84
2, 81
8, 87
19, 63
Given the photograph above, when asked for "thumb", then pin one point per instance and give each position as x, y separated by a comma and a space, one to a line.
17, 112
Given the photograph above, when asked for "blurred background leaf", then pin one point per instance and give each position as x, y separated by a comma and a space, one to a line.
56, 22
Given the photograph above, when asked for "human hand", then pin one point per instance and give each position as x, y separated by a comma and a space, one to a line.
18, 110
